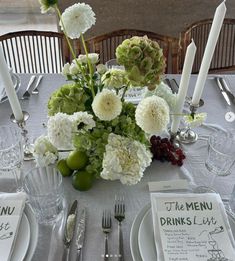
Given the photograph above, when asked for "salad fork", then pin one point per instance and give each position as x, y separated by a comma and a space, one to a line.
26, 94
119, 214
107, 227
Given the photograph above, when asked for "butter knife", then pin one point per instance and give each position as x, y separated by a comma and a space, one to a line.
69, 229
225, 95
227, 90
81, 234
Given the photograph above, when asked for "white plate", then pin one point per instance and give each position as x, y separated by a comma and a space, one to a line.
33, 232
16, 82
22, 240
146, 243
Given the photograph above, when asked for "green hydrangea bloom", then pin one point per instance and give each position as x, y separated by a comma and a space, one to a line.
143, 60
69, 98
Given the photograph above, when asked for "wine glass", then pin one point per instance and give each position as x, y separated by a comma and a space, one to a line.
11, 154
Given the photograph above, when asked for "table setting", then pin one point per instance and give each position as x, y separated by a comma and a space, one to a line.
92, 157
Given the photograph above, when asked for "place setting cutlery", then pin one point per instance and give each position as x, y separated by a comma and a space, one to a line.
225, 90
119, 215
35, 90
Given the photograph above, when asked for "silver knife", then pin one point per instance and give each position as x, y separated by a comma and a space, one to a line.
69, 229
225, 95
227, 90
81, 234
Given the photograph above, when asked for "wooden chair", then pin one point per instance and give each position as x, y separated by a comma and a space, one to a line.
35, 51
224, 55
106, 45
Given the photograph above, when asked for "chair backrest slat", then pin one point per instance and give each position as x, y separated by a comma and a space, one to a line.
223, 58
35, 51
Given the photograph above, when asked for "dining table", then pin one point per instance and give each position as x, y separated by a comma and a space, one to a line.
102, 195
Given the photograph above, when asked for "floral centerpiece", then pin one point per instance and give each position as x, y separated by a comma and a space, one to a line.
107, 137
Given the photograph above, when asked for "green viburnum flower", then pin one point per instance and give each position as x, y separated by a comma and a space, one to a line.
115, 78
143, 60
68, 99
47, 5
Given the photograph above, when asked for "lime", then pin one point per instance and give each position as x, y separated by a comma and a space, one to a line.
77, 160
82, 180
63, 168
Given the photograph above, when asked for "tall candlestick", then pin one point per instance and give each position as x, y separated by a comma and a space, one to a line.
184, 82
9, 87
209, 51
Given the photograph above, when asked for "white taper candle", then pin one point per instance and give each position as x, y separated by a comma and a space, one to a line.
209, 51
184, 83
5, 77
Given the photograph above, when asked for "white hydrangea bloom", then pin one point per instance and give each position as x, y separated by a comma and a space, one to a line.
198, 120
65, 70
93, 57
106, 105
77, 19
82, 121
152, 115
125, 159
44, 152
60, 128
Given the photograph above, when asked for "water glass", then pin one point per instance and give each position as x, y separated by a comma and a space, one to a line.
221, 152
44, 188
11, 154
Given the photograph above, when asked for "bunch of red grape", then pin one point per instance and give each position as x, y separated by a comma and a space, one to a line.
164, 150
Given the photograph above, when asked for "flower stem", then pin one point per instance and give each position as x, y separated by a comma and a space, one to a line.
89, 66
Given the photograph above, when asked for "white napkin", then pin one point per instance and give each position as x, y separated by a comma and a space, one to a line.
191, 227
11, 209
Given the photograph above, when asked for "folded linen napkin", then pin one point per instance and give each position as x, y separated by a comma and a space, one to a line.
11, 209
191, 227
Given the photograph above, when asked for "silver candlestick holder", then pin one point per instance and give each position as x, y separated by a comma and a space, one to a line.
187, 135
173, 138
28, 148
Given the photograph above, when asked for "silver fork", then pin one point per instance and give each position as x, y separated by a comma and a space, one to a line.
26, 94
107, 227
35, 90
119, 214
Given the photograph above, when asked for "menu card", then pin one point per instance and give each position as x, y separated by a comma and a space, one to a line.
191, 227
11, 209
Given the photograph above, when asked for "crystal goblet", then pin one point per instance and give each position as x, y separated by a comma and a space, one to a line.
11, 154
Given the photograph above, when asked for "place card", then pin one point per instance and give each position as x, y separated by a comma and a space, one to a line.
191, 227
179, 184
11, 209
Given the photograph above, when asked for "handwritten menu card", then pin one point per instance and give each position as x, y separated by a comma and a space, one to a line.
190, 227
11, 208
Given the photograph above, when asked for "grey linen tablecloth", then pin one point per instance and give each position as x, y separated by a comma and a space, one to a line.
102, 194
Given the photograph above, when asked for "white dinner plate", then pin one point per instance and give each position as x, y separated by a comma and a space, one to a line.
22, 240
16, 82
146, 245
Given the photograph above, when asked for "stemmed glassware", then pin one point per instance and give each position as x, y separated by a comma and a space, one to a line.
11, 154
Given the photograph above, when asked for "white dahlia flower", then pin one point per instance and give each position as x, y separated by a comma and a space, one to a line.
77, 19
152, 115
125, 159
106, 105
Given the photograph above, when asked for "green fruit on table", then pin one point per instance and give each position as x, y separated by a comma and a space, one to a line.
77, 160
82, 180
63, 168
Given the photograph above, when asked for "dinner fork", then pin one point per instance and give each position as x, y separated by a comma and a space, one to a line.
26, 94
119, 214
35, 90
107, 227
